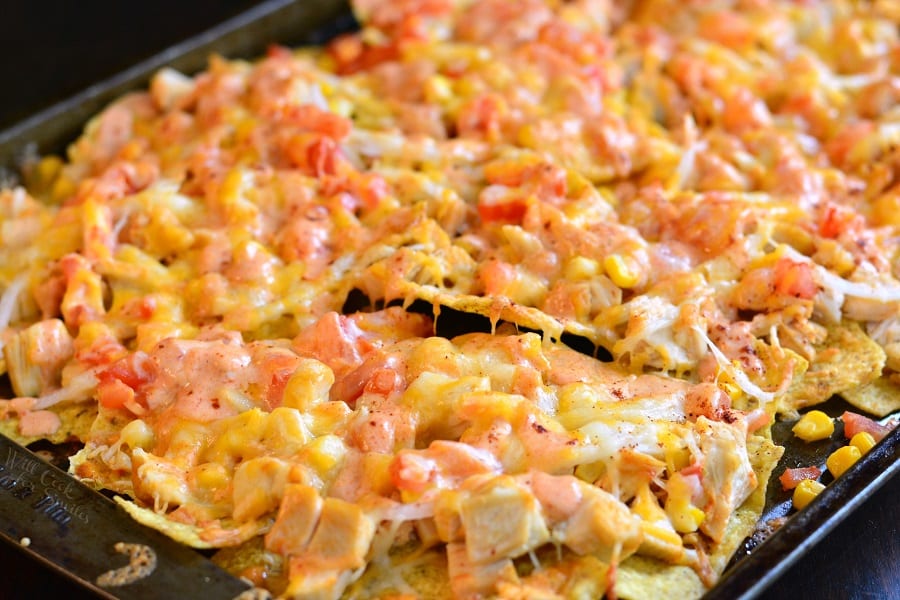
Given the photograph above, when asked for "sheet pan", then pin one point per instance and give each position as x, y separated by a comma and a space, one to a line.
761, 560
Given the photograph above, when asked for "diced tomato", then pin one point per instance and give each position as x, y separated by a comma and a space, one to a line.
791, 478
366, 190
141, 308
411, 28
112, 393
794, 279
313, 118
102, 351
277, 370
383, 382
481, 117
336, 340
318, 155
855, 423
545, 179
837, 219
728, 28
574, 41
70, 264
351, 54
133, 370
121, 382
278, 51
345, 50
373, 56
371, 188
508, 211
376, 375
322, 156
838, 148
693, 477
497, 276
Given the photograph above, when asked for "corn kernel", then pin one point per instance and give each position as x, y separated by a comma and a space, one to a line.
621, 273
684, 516
63, 187
581, 268
210, 476
186, 439
834, 256
886, 210
326, 417
237, 438
814, 425
47, 170
131, 150
376, 472
805, 491
842, 459
733, 390
341, 106
438, 89
285, 432
325, 454
527, 136
862, 441
138, 434
258, 485
309, 385
677, 455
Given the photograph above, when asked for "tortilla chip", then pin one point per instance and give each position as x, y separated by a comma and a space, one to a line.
764, 456
76, 421
251, 557
192, 535
496, 309
847, 359
879, 398
411, 572
639, 577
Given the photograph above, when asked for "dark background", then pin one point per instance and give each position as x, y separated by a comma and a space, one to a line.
49, 50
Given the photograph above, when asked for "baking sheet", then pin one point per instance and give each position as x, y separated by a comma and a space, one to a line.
761, 561
71, 528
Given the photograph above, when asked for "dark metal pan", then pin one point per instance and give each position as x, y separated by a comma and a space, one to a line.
246, 35
71, 528
754, 570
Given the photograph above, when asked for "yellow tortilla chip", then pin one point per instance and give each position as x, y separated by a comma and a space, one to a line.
847, 359
412, 572
192, 535
764, 456
75, 423
641, 577
253, 561
880, 397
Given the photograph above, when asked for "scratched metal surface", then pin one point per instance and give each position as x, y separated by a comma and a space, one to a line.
784, 535
70, 527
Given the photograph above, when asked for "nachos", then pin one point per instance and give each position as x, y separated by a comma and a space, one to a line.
320, 311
